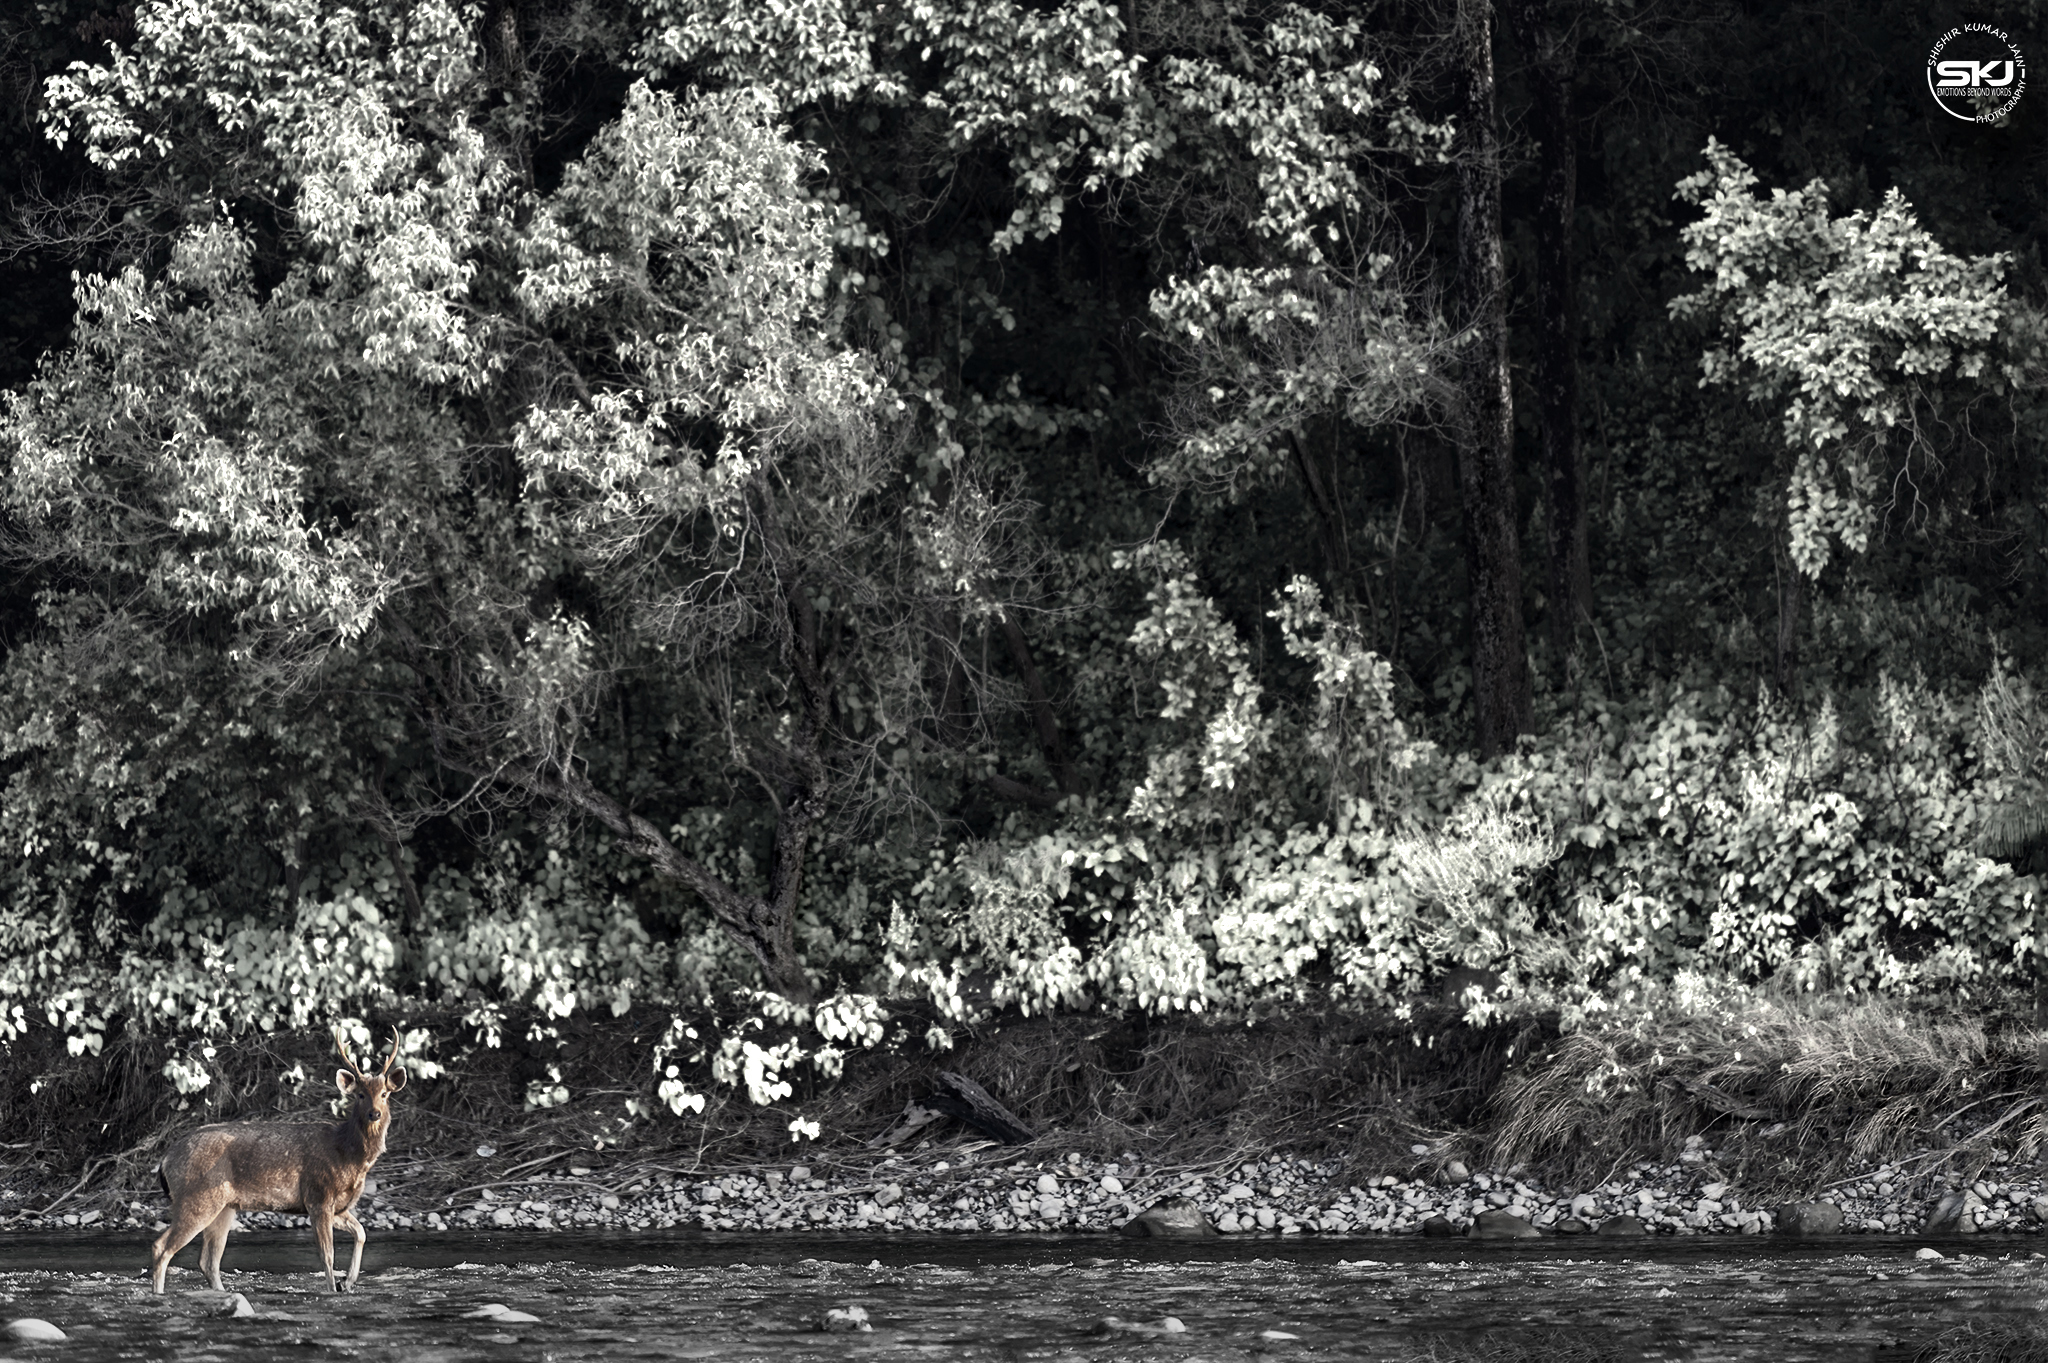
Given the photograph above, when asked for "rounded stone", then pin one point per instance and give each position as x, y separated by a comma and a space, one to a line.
33, 1330
1501, 1226
1622, 1225
1170, 1217
1955, 1214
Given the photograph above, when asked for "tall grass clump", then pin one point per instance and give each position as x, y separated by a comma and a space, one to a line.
1774, 1071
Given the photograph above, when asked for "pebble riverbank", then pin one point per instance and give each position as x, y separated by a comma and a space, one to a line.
997, 1193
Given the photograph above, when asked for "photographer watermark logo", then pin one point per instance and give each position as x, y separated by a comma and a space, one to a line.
1976, 73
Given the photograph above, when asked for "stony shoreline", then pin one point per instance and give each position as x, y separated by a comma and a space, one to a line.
1000, 1193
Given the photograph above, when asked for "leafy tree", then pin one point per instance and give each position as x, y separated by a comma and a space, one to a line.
1874, 340
479, 451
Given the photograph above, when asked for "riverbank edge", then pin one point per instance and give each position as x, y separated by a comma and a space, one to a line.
1278, 1197
1719, 1113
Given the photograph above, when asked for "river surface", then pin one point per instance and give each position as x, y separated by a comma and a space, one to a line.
1062, 1299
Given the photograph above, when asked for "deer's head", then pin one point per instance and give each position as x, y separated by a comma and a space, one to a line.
370, 1094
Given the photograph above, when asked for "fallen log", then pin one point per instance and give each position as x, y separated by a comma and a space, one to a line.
959, 1096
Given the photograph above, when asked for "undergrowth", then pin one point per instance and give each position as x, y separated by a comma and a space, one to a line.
1797, 1085
1786, 1091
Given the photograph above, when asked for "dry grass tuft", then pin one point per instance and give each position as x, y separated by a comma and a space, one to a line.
1793, 1087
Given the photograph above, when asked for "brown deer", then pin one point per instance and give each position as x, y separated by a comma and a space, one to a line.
279, 1167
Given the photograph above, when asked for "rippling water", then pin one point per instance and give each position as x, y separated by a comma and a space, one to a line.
1028, 1298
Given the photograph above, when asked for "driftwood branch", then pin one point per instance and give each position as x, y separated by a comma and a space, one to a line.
955, 1095
959, 1096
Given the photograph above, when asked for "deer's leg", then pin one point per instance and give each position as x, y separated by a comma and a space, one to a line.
216, 1241
347, 1221
189, 1216
323, 1236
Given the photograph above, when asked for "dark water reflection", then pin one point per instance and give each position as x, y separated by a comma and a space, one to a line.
1029, 1298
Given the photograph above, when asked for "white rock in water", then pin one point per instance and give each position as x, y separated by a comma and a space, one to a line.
1276, 1334
242, 1310
1166, 1325
1112, 1185
1928, 1252
31, 1330
1048, 1184
846, 1320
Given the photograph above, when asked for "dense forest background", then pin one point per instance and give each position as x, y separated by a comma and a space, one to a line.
560, 505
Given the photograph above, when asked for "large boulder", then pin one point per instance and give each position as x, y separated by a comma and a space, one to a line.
1501, 1226
1171, 1217
1438, 1226
1955, 1214
1622, 1225
1809, 1218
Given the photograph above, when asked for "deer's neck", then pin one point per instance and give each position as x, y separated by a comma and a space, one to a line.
358, 1144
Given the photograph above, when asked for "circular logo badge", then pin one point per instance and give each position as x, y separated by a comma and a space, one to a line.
1976, 73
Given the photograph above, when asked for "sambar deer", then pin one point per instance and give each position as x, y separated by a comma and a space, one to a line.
317, 1170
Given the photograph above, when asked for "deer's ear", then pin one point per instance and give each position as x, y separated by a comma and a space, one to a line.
344, 1081
396, 1080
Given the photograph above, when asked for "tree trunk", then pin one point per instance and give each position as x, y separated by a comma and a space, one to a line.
1043, 720
1791, 596
1326, 501
1551, 68
1500, 665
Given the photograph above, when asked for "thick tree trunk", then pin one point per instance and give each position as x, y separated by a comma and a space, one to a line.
1326, 500
1044, 721
1500, 665
1791, 597
1551, 70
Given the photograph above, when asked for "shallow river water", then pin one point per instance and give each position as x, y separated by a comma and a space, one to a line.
1049, 1298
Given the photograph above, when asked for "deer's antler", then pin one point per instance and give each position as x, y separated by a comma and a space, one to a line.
391, 1059
342, 1042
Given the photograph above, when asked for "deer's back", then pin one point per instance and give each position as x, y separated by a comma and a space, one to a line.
262, 1166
